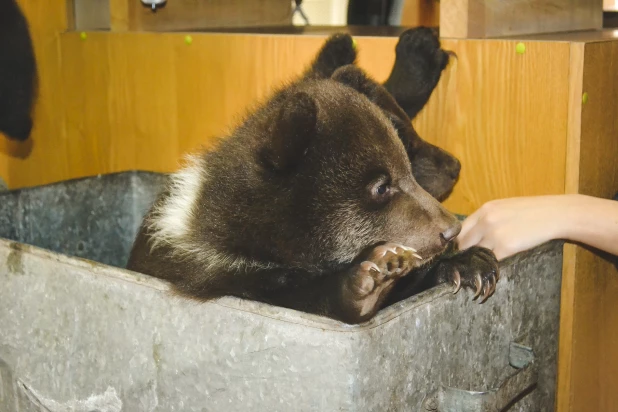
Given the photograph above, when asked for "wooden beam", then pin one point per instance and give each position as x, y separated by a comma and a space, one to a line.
589, 324
420, 13
491, 18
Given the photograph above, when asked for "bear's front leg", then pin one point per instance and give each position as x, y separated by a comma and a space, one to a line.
365, 286
475, 268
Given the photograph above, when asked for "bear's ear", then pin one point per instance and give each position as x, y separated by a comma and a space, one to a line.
338, 50
354, 77
291, 133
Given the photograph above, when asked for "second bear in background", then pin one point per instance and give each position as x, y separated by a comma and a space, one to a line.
418, 66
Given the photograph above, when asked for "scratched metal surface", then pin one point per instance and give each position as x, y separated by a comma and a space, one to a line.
95, 217
80, 336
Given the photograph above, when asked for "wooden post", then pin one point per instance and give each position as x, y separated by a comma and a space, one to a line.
119, 15
421, 13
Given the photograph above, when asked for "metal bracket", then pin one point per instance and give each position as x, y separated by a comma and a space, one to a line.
447, 399
153, 3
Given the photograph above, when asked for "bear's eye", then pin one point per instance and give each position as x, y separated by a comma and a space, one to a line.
383, 189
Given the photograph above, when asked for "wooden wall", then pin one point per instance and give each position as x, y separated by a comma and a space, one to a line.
141, 100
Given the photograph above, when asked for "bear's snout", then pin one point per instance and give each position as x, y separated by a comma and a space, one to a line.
450, 233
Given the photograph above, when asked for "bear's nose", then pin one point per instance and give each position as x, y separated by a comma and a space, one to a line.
450, 233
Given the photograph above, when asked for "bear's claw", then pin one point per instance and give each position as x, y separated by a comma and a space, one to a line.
368, 283
475, 268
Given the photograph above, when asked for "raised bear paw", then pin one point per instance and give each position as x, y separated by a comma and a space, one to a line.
475, 268
367, 284
419, 49
418, 66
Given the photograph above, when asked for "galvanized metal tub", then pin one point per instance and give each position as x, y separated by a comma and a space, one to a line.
76, 335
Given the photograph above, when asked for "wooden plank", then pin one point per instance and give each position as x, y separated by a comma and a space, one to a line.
590, 36
194, 15
490, 18
119, 15
567, 298
454, 19
594, 352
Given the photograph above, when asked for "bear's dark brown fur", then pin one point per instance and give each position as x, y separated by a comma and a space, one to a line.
18, 81
309, 204
418, 67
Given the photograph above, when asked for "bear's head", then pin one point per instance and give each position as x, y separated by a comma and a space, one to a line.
315, 177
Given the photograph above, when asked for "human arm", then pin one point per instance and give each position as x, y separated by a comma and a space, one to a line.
509, 226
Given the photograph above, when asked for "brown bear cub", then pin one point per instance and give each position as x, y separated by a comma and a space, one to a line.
310, 204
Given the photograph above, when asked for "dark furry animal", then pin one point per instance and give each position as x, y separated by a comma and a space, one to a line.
418, 66
309, 204
18, 80
419, 62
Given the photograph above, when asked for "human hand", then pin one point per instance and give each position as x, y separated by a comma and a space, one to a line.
510, 226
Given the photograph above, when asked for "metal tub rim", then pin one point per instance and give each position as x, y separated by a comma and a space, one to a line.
258, 308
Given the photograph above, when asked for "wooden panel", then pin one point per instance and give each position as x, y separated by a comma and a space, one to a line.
504, 115
420, 13
490, 18
119, 15
591, 380
193, 15
567, 296
590, 36
140, 100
